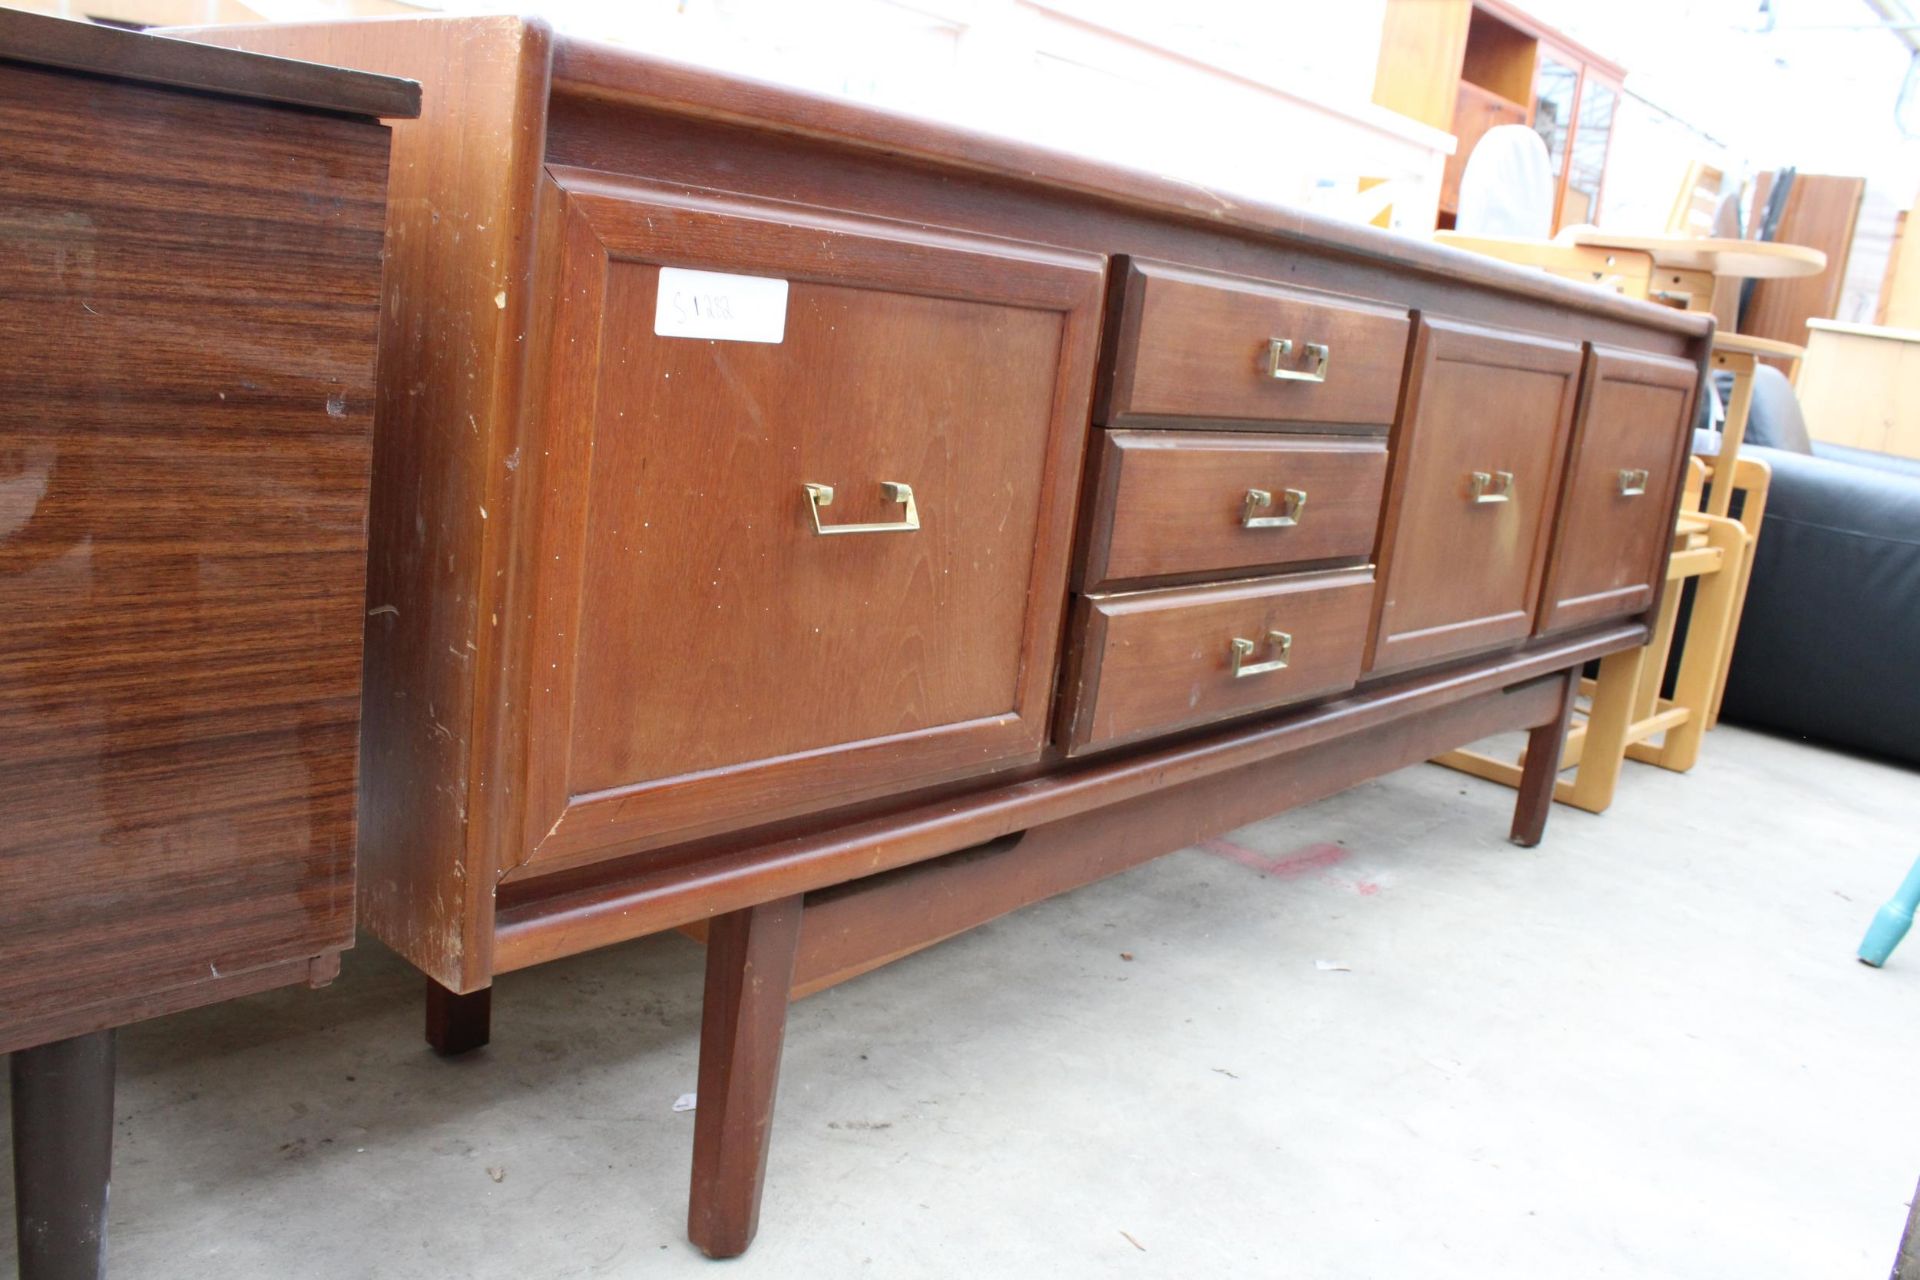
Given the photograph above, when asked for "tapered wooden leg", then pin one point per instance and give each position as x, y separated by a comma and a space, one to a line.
750, 958
456, 1023
62, 1155
1542, 770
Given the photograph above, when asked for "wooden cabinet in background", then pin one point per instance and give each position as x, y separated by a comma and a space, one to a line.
1467, 66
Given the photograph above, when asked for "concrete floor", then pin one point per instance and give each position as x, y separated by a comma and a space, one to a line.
1643, 1049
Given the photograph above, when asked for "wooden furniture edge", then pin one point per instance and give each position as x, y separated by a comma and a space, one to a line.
158, 58
1745, 259
317, 971
1887, 333
430, 798
646, 900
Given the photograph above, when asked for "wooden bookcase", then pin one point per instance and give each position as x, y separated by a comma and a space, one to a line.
1467, 66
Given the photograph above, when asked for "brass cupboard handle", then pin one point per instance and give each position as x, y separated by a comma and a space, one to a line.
1633, 481
821, 495
1241, 650
1259, 500
1278, 349
1491, 486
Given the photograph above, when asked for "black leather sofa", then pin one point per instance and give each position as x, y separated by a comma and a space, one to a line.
1829, 644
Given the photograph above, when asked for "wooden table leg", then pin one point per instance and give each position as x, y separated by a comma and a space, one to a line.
1542, 770
62, 1155
455, 1023
1608, 721
1733, 433
750, 961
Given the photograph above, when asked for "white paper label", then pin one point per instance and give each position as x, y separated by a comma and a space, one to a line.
710, 304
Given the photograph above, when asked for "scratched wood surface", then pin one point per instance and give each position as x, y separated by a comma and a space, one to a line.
190, 290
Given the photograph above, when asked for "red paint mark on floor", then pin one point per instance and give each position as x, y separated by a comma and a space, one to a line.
1313, 857
1365, 888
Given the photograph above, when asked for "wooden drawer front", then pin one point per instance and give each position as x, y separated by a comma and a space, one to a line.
1160, 660
1629, 440
735, 653
1477, 463
1172, 502
1193, 344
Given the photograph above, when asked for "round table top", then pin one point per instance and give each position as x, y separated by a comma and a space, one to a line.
1729, 259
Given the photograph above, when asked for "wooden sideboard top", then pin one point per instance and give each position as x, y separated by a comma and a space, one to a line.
182, 64
585, 69
588, 69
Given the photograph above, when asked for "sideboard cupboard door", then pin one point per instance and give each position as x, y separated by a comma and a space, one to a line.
807, 534
1629, 440
1477, 462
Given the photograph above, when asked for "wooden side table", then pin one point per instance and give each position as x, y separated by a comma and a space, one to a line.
1689, 269
189, 296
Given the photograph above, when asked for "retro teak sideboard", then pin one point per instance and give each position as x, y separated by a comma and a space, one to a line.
842, 530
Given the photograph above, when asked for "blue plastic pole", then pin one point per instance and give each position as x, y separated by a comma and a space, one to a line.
1891, 922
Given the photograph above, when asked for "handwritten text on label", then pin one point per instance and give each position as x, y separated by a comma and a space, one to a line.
711, 304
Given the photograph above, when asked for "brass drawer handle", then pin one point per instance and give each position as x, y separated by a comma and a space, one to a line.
1260, 500
1278, 349
1633, 481
1241, 650
1491, 486
821, 495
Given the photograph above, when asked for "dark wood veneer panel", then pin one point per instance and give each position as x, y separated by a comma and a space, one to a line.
191, 289
100, 50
